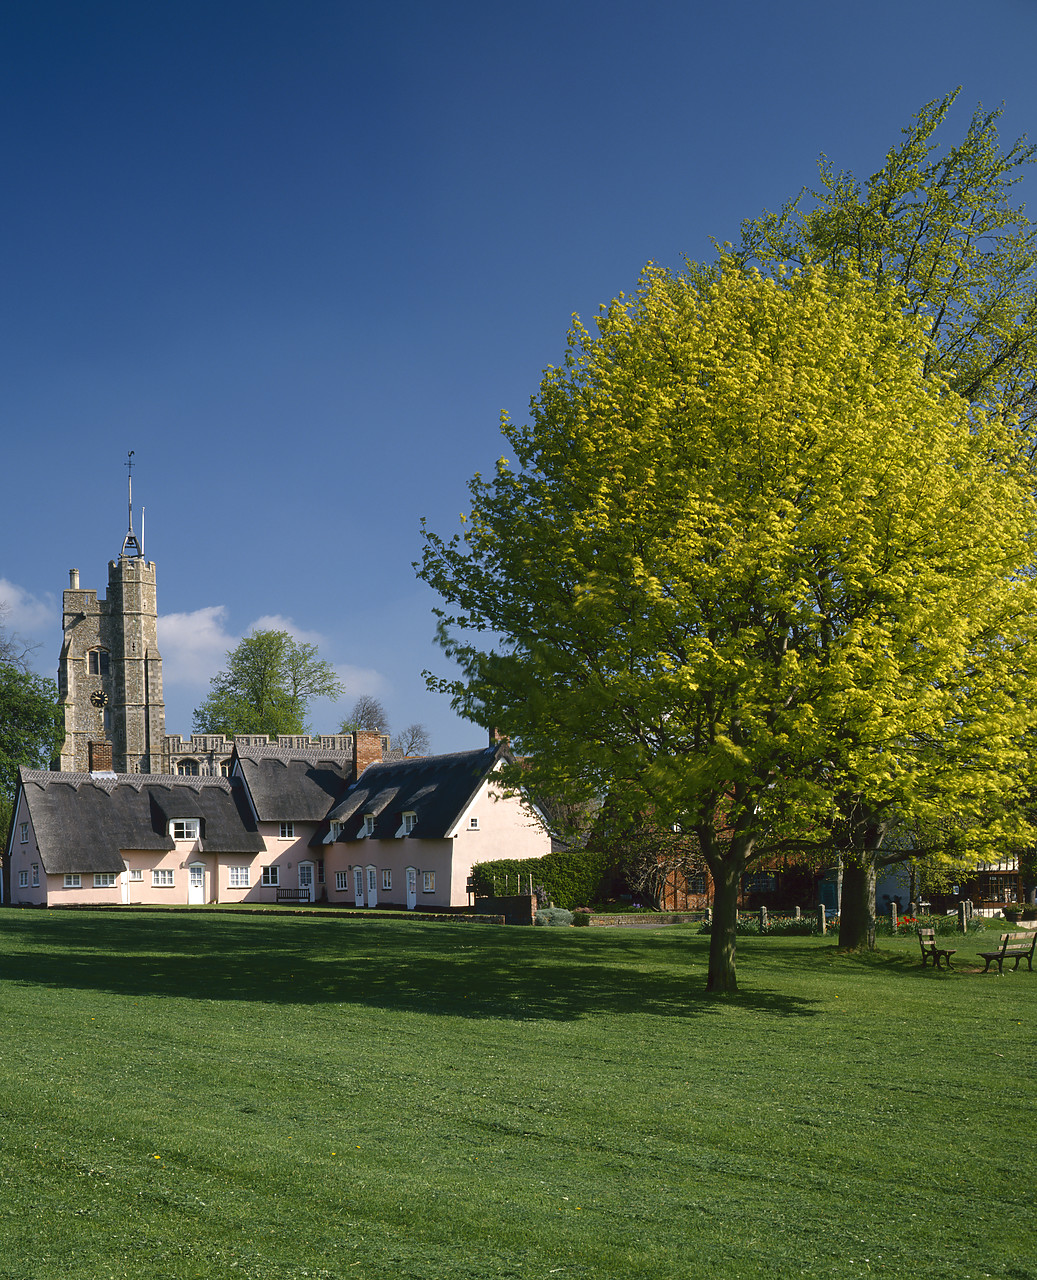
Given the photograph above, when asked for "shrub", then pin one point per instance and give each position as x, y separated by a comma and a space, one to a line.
570, 876
582, 916
554, 916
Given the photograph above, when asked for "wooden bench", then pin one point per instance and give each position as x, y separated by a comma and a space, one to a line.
1012, 945
930, 951
293, 895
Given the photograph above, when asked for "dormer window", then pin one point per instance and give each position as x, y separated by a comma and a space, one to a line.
185, 828
410, 821
336, 830
368, 824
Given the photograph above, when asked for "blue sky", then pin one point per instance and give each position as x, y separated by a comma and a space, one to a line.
299, 256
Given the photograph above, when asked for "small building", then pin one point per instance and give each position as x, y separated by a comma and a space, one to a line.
408, 832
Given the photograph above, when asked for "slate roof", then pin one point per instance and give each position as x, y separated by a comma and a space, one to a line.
82, 820
294, 785
436, 788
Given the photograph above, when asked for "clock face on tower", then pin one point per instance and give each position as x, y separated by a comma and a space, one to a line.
99, 699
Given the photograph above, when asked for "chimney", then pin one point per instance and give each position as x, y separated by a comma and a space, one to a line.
367, 749
73, 579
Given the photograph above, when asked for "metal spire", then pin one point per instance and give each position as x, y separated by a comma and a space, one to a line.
130, 545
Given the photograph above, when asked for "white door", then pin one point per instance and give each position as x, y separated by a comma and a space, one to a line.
358, 885
196, 884
372, 886
306, 879
412, 888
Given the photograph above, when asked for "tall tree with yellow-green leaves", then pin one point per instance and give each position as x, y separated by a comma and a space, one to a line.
750, 558
938, 232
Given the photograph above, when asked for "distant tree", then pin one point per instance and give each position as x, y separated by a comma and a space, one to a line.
266, 687
31, 729
413, 741
367, 714
649, 854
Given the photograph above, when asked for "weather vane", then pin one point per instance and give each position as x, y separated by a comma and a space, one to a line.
130, 545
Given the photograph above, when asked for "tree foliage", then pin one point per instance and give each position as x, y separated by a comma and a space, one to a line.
751, 558
31, 729
937, 233
936, 225
266, 687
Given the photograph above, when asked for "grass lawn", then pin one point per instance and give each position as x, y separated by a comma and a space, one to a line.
272, 1097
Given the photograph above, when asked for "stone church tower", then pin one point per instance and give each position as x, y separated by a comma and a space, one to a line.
110, 671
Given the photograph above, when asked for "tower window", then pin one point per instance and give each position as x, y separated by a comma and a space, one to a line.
97, 662
189, 767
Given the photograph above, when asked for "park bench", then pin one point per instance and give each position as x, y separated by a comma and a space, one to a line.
293, 895
1012, 945
930, 951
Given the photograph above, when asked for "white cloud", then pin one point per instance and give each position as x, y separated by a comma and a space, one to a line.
277, 622
360, 680
194, 645
25, 613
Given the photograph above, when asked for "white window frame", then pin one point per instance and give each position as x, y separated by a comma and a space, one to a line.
407, 824
342, 881
368, 825
473, 823
163, 878
24, 830
104, 879
287, 831
428, 882
238, 877
136, 875
271, 876
35, 874
336, 830
190, 828
73, 880
386, 877
23, 879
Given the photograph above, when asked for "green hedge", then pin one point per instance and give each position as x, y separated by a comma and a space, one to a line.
574, 878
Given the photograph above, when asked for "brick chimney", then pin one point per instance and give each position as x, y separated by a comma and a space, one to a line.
367, 749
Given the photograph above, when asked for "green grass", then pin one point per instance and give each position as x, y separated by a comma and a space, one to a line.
202, 1096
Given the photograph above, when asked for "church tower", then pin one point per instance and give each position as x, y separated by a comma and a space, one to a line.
110, 671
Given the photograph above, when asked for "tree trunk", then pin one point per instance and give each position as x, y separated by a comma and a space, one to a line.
857, 917
722, 978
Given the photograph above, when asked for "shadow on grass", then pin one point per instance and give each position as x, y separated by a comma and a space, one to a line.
458, 970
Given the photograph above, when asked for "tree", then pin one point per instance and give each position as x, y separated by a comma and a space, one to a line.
414, 740
938, 235
751, 558
367, 714
938, 228
31, 729
267, 686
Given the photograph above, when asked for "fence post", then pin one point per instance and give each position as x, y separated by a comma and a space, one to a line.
822, 923
893, 921
709, 915
912, 908
797, 913
963, 918
763, 919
